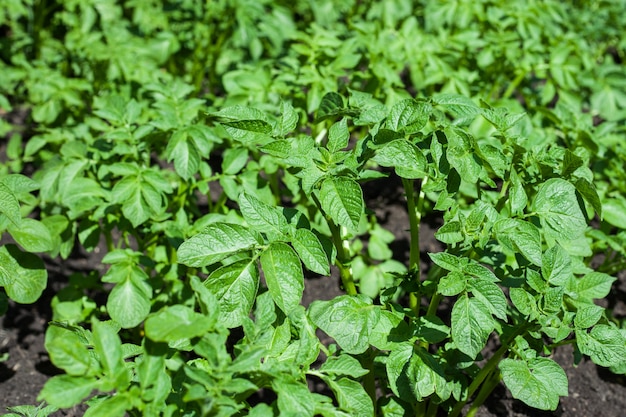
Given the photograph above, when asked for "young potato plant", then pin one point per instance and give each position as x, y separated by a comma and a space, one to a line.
211, 321
214, 155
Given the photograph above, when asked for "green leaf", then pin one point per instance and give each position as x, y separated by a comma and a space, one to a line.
351, 397
614, 211
558, 210
471, 325
283, 274
491, 295
287, 121
460, 106
450, 232
310, 250
176, 322
557, 266
521, 237
234, 159
65, 391
183, 151
406, 159
589, 193
605, 345
115, 406
342, 199
129, 302
338, 136
235, 287
517, 195
68, 352
108, 346
9, 206
587, 315
415, 373
22, 274
265, 218
294, 399
408, 116
216, 242
331, 105
343, 365
539, 382
347, 319
32, 235
594, 285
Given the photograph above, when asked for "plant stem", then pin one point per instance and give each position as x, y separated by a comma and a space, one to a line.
487, 369
489, 385
414, 209
343, 259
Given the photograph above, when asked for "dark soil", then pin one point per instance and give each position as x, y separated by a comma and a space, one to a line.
593, 391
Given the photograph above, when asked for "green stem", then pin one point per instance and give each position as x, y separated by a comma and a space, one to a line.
414, 209
514, 85
343, 259
487, 369
485, 391
431, 411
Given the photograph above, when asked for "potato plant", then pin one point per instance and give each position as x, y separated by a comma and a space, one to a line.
216, 154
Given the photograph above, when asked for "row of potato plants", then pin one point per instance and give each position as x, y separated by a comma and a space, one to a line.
218, 152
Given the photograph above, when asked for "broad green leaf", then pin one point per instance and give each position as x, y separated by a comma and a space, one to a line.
587, 315
139, 198
176, 322
614, 211
408, 116
338, 136
216, 242
234, 160
235, 286
594, 285
129, 302
432, 329
9, 206
115, 406
450, 232
108, 346
406, 159
557, 266
287, 121
331, 105
491, 295
448, 261
390, 330
183, 151
520, 236
415, 373
351, 397
517, 194
310, 250
605, 345
461, 154
452, 284
342, 199
265, 218
68, 352
460, 106
523, 301
589, 193
294, 399
558, 210
283, 274
347, 319
343, 365
22, 274
471, 325
65, 391
32, 235
539, 382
